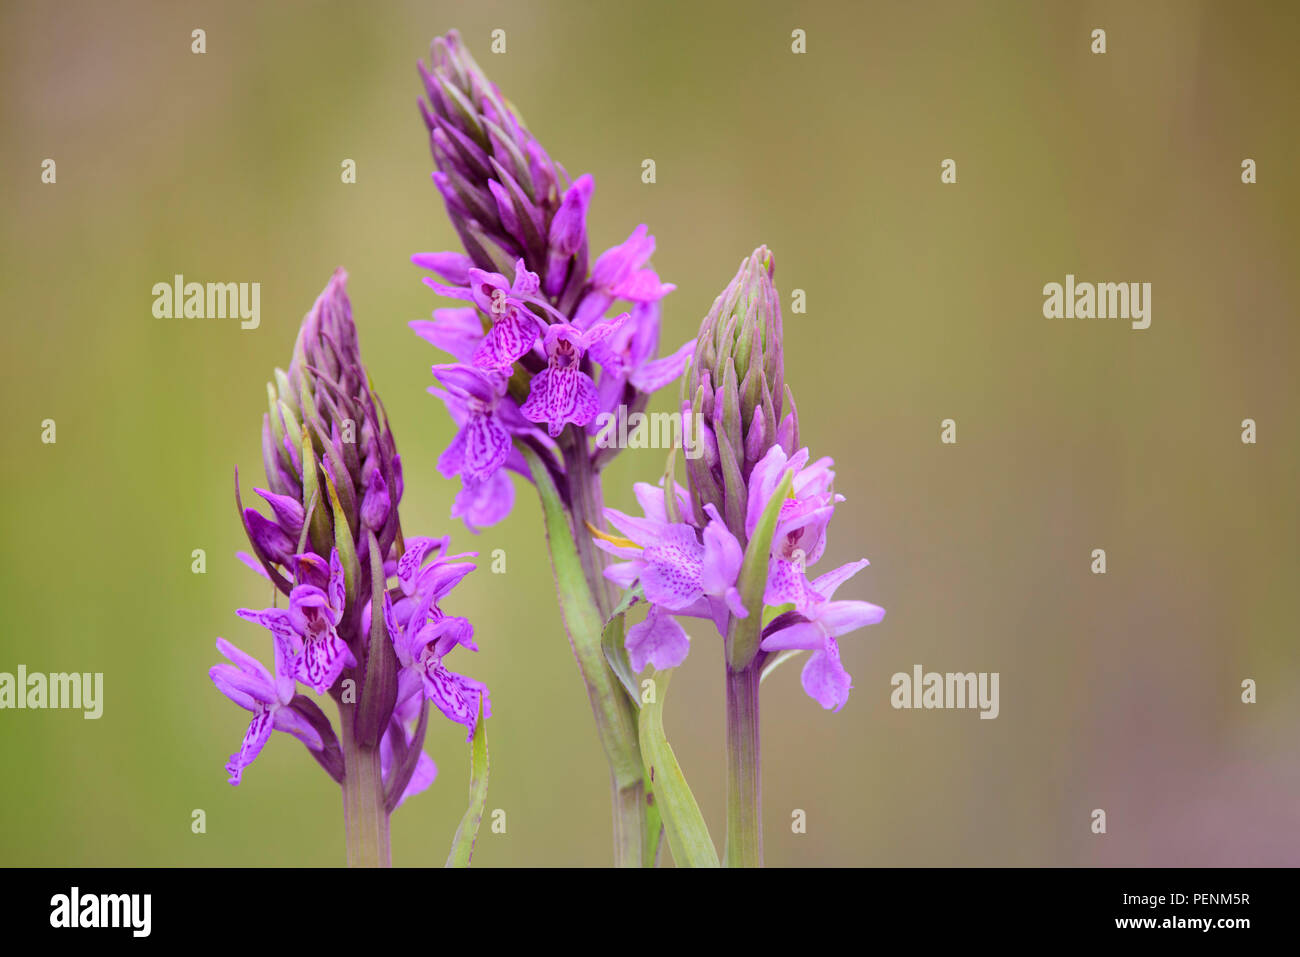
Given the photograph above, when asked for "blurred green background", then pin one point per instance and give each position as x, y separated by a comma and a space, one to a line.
1119, 692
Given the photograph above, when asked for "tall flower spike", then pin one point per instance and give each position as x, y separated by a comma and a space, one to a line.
506, 197
332, 544
326, 439
735, 385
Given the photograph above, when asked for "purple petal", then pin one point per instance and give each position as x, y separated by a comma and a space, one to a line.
672, 571
486, 502
841, 617
824, 678
255, 738
487, 444
659, 641
375, 504
322, 660
825, 585
454, 695
268, 538
654, 375
803, 635
291, 722
289, 513
455, 331
451, 266
722, 556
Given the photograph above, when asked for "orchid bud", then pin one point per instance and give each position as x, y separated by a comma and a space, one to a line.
324, 438
735, 386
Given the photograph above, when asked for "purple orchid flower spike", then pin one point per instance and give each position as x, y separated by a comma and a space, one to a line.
548, 335
247, 683
562, 392
824, 677
331, 545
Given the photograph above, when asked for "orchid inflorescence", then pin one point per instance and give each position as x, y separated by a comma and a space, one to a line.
546, 341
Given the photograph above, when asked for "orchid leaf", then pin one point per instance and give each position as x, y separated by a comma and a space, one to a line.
688, 835
462, 846
614, 716
742, 639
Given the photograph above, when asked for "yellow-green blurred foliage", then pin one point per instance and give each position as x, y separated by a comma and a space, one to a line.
924, 302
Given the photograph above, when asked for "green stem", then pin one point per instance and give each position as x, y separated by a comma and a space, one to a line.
585, 603
587, 505
744, 770
364, 815
629, 823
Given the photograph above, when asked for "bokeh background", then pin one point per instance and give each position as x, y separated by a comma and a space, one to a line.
1119, 692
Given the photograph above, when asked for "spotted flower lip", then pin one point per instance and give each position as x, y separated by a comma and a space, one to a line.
423, 636
680, 569
483, 442
824, 677
657, 640
514, 326
562, 392
487, 420
307, 632
248, 684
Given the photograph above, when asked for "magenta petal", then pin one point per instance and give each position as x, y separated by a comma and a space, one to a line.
452, 460
512, 334
322, 660
269, 538
558, 396
786, 585
453, 267
247, 691
842, 617
487, 444
255, 738
291, 722
825, 585
671, 574
824, 678
722, 556
481, 503
455, 331
375, 504
657, 373
454, 695
659, 641
803, 636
